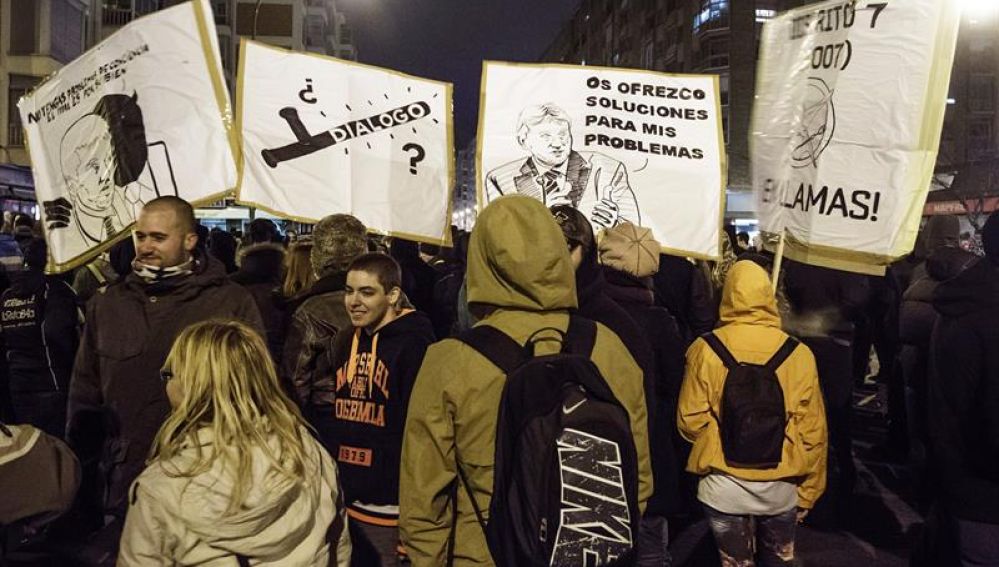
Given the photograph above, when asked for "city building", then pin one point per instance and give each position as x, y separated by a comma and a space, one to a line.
463, 205
37, 37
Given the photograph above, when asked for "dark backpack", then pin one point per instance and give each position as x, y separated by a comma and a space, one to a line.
565, 482
753, 417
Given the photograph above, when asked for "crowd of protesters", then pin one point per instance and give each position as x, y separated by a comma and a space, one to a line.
196, 397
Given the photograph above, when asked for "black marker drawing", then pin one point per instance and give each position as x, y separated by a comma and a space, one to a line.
306, 94
308, 143
416, 158
818, 123
110, 170
556, 174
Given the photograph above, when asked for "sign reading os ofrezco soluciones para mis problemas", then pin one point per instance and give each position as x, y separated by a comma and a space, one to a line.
617, 144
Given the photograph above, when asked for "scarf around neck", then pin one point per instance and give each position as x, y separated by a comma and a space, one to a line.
154, 274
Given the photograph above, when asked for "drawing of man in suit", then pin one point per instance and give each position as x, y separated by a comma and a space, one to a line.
555, 174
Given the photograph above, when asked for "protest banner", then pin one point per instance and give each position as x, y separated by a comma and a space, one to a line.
322, 136
143, 114
850, 102
617, 144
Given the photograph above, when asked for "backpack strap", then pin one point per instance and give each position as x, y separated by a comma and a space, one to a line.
581, 335
781, 355
719, 347
496, 346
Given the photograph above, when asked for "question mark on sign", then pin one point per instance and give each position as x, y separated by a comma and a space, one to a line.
306, 94
415, 159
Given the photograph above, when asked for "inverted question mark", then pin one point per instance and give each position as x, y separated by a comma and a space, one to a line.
306, 94
415, 159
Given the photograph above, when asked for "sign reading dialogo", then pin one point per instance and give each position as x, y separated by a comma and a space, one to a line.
619, 145
850, 102
323, 135
141, 115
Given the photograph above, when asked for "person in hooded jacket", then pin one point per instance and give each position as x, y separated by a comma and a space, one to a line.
375, 368
630, 255
261, 272
520, 280
964, 401
39, 333
129, 329
754, 511
235, 477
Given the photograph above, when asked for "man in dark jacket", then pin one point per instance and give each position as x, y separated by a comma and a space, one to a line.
375, 367
40, 333
319, 314
595, 304
964, 401
418, 278
130, 328
916, 321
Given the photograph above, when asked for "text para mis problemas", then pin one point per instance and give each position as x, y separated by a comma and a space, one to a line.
642, 110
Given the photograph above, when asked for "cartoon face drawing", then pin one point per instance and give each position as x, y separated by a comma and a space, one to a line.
549, 142
108, 169
88, 164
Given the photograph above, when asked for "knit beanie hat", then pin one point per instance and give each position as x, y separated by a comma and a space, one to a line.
990, 237
630, 249
336, 240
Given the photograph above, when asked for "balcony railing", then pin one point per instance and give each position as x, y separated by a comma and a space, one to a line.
116, 16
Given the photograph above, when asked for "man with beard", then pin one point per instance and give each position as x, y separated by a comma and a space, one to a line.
130, 328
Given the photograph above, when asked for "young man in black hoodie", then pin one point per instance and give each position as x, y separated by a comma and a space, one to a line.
964, 401
375, 368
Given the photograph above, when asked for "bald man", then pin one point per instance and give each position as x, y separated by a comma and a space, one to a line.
130, 328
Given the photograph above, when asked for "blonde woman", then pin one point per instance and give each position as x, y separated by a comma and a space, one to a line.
234, 476
298, 273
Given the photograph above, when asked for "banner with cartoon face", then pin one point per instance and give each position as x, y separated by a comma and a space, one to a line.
850, 102
142, 115
619, 145
323, 136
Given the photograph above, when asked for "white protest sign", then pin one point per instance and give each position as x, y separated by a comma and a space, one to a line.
143, 114
850, 101
323, 136
618, 144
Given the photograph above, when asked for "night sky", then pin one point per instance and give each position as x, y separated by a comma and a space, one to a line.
447, 40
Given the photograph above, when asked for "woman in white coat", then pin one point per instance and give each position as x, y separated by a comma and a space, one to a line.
234, 476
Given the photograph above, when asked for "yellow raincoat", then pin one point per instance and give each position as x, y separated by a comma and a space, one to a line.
751, 330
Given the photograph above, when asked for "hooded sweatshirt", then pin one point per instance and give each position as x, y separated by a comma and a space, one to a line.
374, 379
750, 328
521, 279
177, 520
964, 392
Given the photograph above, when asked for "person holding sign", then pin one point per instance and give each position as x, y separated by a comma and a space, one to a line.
555, 174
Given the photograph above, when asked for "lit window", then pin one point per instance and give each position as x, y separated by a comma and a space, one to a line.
764, 15
713, 12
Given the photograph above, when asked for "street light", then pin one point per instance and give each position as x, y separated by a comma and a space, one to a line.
256, 14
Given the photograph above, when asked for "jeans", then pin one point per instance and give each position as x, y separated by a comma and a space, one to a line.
742, 540
653, 542
979, 543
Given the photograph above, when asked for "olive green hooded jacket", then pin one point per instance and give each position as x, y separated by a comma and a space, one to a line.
520, 274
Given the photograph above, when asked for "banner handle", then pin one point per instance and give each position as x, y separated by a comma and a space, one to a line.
778, 260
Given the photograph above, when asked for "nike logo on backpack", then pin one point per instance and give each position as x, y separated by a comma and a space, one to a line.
568, 410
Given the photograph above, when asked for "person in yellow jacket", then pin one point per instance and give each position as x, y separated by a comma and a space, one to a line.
520, 280
754, 511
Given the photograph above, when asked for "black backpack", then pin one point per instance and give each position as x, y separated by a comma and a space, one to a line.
565, 482
753, 417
